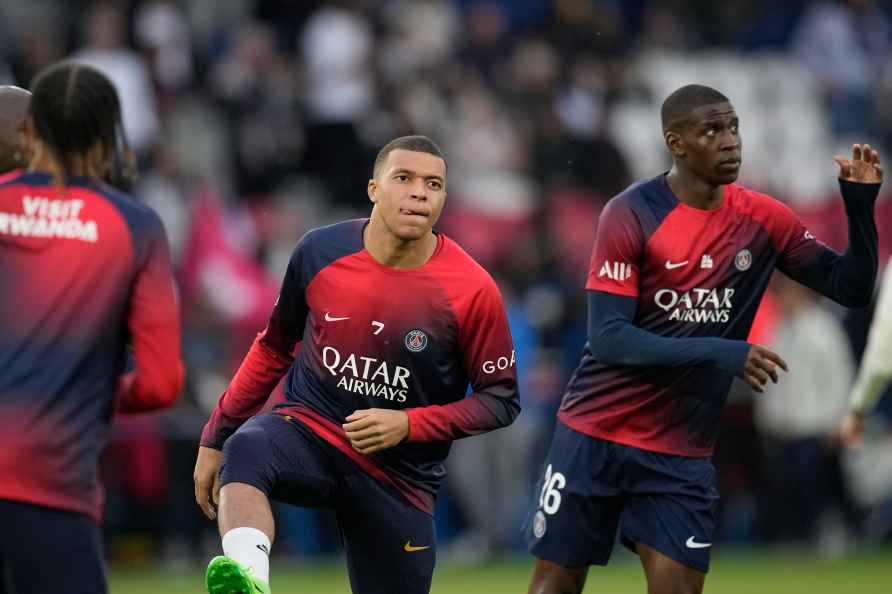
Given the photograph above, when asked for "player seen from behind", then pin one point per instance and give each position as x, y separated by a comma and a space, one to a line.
84, 272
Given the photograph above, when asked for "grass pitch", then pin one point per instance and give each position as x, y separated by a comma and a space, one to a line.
751, 573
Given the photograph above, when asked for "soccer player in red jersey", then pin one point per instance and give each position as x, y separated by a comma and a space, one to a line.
84, 271
381, 324
680, 264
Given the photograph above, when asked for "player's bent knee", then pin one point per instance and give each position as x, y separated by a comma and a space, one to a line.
246, 458
245, 442
551, 578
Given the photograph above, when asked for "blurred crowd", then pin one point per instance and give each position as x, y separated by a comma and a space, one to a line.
256, 120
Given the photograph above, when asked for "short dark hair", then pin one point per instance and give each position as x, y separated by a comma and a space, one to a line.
416, 143
679, 105
74, 106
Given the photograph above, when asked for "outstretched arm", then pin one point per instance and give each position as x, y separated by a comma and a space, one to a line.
614, 339
847, 278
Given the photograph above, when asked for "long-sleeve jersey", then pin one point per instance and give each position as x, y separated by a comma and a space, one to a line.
673, 293
875, 372
84, 272
372, 336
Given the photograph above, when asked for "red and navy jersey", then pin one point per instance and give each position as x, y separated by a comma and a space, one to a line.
694, 273
85, 279
373, 336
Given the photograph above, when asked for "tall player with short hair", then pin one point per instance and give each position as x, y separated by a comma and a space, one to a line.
392, 321
84, 271
679, 267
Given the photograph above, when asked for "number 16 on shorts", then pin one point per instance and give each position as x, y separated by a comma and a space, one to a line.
549, 499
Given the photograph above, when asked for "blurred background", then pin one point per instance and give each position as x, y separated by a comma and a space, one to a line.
256, 120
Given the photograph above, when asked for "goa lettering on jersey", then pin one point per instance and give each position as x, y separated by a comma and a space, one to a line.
500, 364
695, 273
377, 337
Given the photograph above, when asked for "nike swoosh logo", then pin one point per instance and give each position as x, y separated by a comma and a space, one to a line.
672, 266
692, 544
410, 549
331, 318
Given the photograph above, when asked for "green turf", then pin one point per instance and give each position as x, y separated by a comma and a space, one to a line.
762, 573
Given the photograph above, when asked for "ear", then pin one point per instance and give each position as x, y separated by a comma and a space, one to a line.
25, 129
372, 190
28, 144
674, 143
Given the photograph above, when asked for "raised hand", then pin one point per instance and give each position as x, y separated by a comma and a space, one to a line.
761, 364
864, 167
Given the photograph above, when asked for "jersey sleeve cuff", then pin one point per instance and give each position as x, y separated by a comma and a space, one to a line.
613, 290
211, 438
858, 191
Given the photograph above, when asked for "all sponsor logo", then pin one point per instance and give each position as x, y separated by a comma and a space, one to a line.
416, 341
618, 271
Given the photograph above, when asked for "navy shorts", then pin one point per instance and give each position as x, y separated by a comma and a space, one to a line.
593, 489
390, 544
49, 551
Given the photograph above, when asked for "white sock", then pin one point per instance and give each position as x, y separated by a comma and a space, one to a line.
250, 548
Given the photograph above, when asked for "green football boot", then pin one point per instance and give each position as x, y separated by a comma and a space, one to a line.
225, 576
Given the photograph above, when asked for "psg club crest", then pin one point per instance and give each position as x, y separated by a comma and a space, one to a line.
539, 524
744, 260
416, 341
